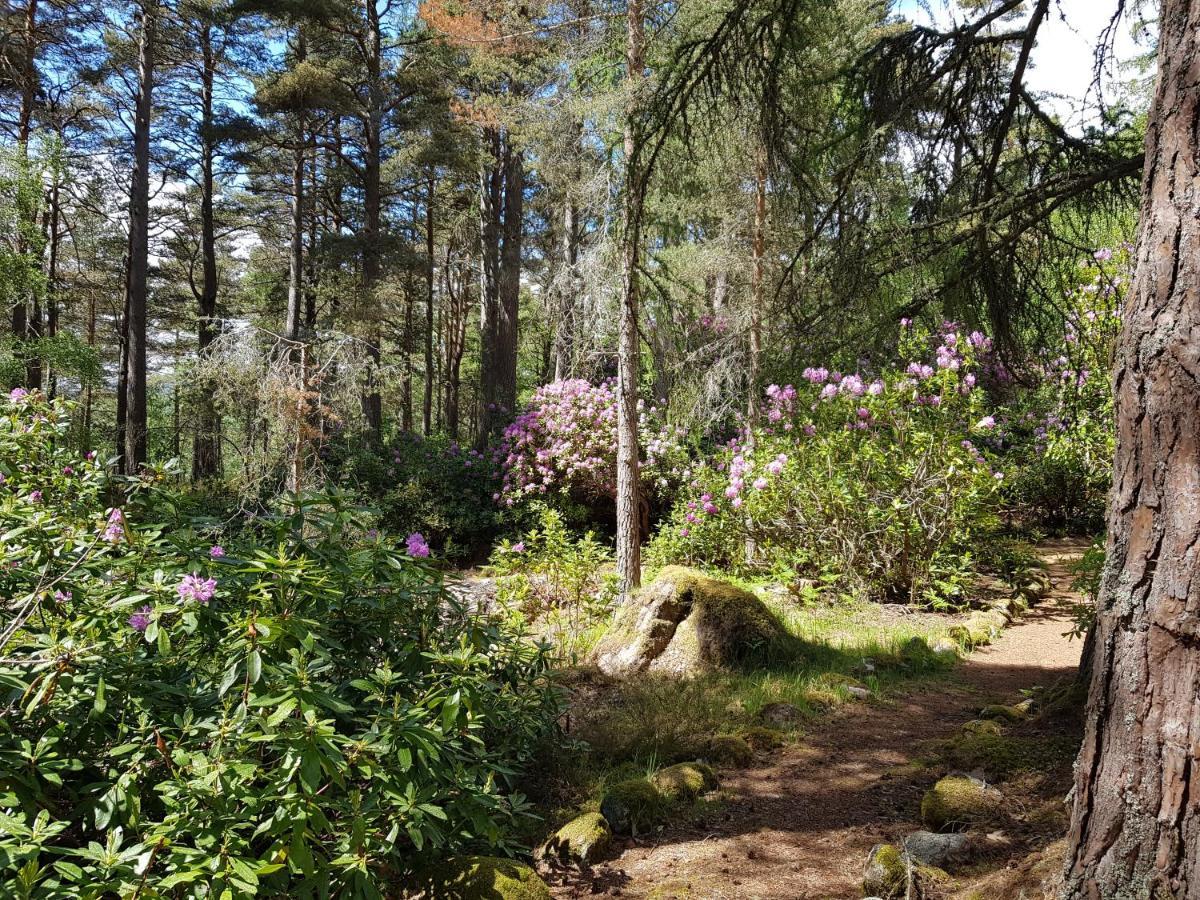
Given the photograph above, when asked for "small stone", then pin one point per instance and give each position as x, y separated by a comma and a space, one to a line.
729, 750
632, 806
959, 801
942, 850
582, 841
945, 647
858, 693
685, 781
780, 715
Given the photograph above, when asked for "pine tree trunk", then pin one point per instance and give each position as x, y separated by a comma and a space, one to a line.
758, 244
1135, 827
295, 294
206, 444
23, 323
134, 451
507, 328
491, 181
427, 406
372, 213
629, 552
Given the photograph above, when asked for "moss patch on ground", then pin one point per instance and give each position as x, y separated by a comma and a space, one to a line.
486, 878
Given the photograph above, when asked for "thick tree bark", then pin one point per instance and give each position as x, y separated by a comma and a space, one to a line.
295, 294
206, 444
456, 340
26, 314
501, 212
135, 445
1135, 828
629, 551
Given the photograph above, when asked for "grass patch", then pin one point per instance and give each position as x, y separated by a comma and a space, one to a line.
631, 728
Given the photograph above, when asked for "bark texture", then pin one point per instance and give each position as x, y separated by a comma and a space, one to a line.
629, 553
1135, 828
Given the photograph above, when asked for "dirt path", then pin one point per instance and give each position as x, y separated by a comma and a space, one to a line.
800, 828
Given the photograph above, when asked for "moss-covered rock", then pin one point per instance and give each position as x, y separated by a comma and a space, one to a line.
959, 801
487, 878
982, 726
685, 781
684, 623
729, 750
999, 712
760, 738
781, 715
582, 841
890, 873
633, 806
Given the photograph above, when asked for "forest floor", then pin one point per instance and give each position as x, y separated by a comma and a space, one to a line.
801, 822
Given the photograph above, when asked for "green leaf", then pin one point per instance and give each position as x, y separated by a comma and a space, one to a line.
254, 666
99, 703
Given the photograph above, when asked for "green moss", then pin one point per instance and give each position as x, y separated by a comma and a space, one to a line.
982, 726
958, 802
731, 624
487, 878
582, 841
633, 806
729, 750
888, 872
1001, 713
984, 746
760, 737
684, 781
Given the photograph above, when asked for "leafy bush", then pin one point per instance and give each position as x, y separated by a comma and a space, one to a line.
873, 483
305, 716
566, 582
1060, 435
429, 485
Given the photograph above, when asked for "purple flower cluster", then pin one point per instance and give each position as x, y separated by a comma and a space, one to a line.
416, 545
140, 620
197, 589
567, 438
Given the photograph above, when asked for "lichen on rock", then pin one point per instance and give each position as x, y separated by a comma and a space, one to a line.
633, 806
582, 841
685, 781
959, 801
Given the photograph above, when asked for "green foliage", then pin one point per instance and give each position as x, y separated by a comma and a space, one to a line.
1058, 437
304, 714
552, 576
426, 485
873, 488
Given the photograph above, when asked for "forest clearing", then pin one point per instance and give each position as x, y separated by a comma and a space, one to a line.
691, 449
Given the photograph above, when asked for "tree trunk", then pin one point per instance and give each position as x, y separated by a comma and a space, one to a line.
456, 340
758, 243
295, 294
24, 325
490, 195
427, 407
134, 451
1135, 827
507, 328
629, 551
206, 444
372, 210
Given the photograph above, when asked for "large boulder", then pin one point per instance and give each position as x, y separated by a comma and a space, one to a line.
487, 878
685, 623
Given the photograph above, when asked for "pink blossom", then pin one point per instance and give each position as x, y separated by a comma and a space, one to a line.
416, 546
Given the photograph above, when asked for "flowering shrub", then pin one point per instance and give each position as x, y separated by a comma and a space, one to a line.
1059, 435
307, 716
874, 481
565, 582
566, 442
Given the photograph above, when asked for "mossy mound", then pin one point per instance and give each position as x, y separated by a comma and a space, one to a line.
684, 781
685, 623
891, 874
1000, 712
633, 806
487, 878
582, 841
980, 628
985, 746
957, 802
729, 750
760, 737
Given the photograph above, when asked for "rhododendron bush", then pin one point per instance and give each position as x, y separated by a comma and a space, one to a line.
1059, 434
293, 710
565, 442
874, 480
